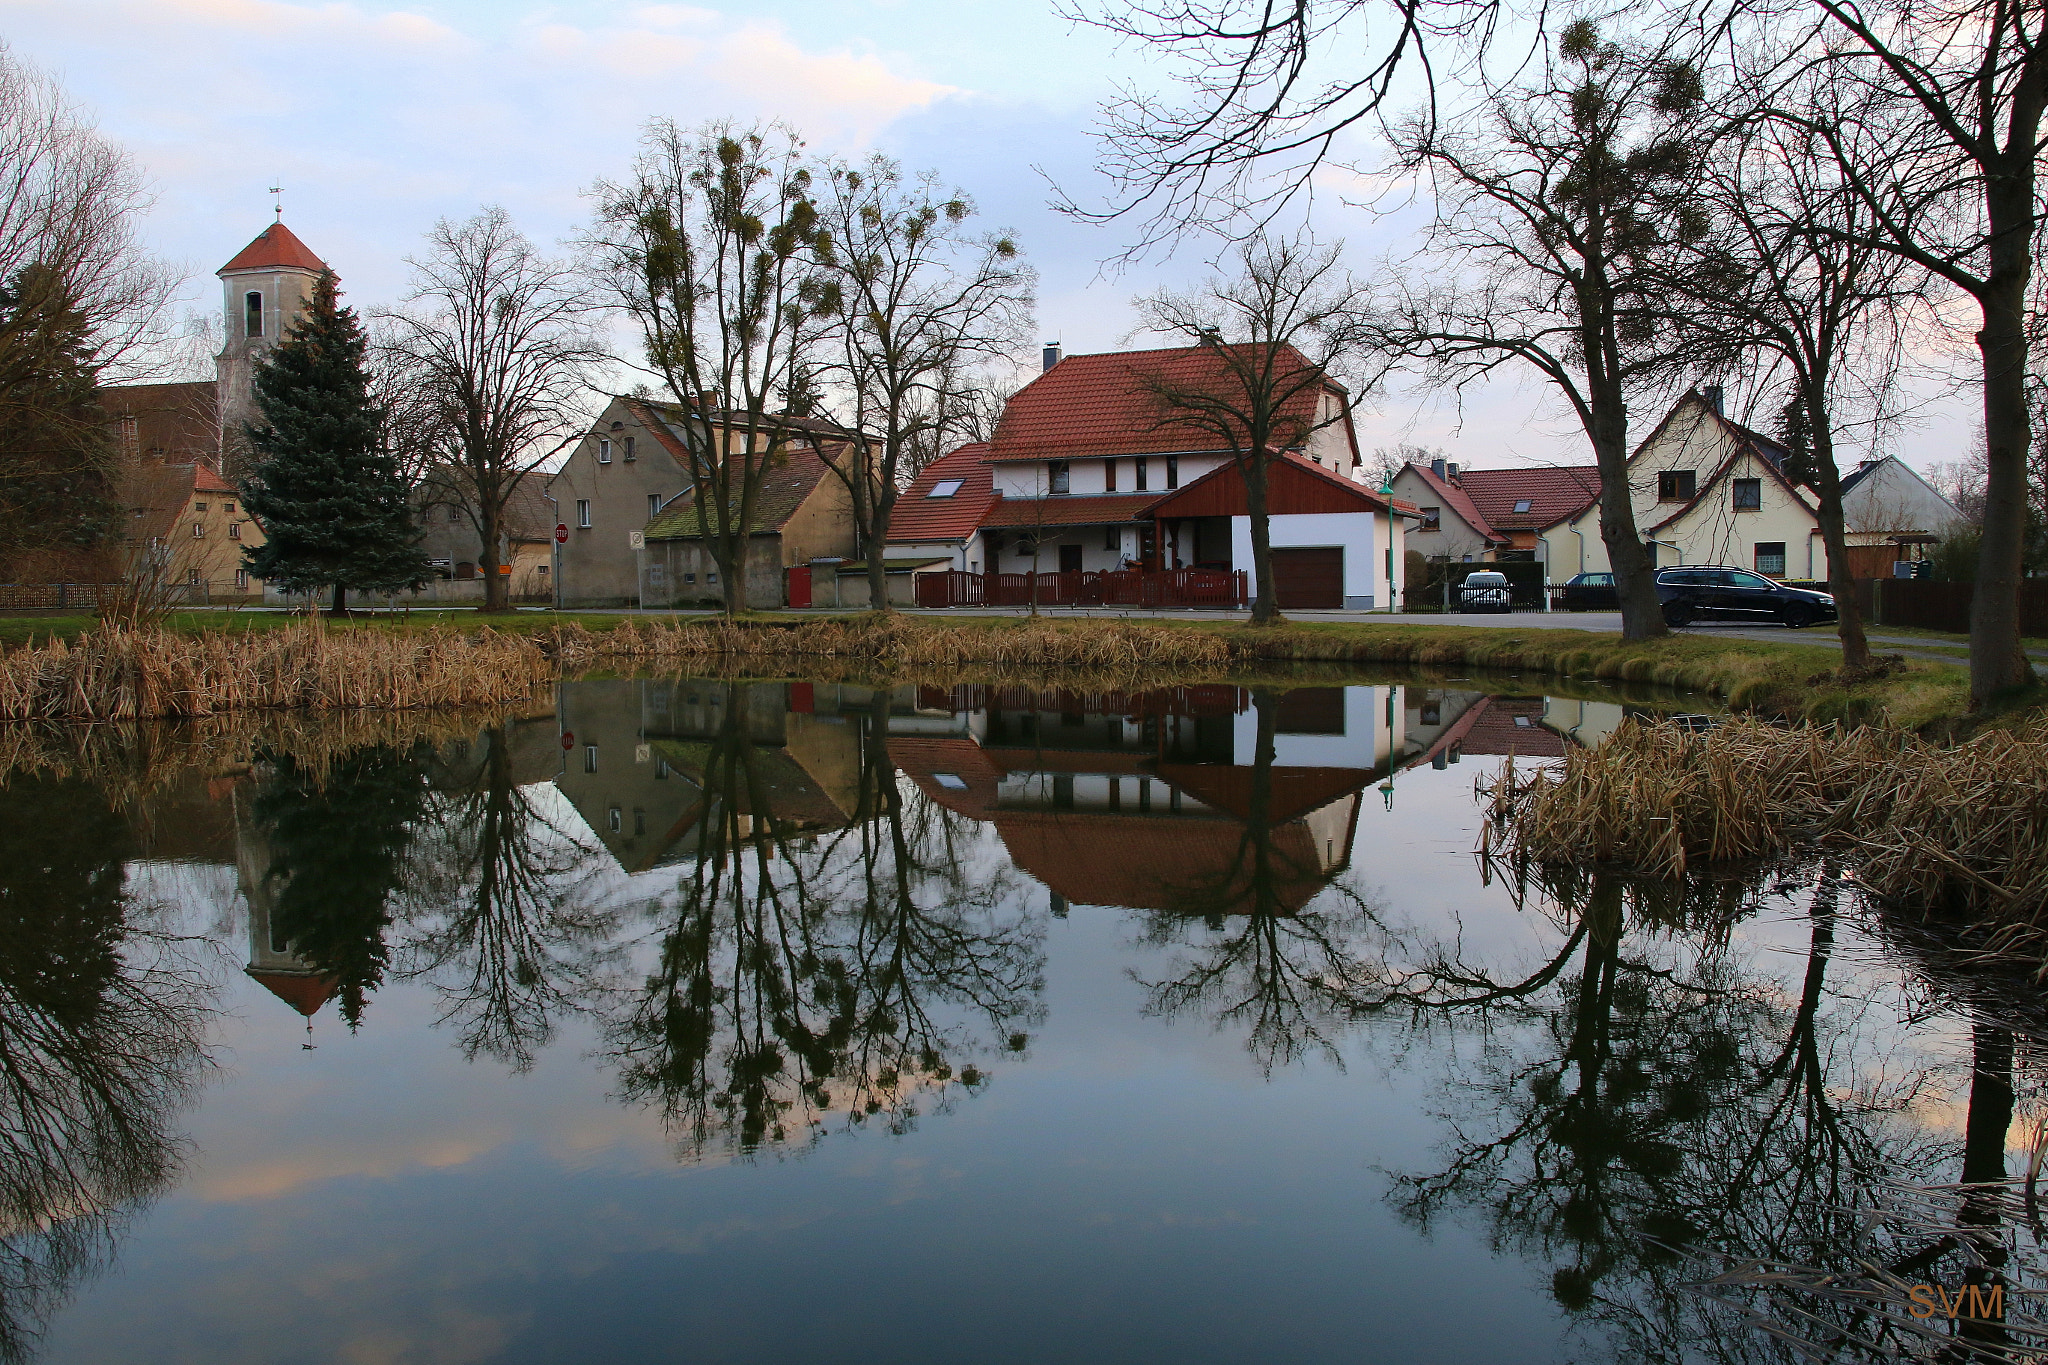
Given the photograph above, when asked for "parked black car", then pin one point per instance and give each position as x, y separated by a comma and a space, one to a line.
1590, 592
1716, 592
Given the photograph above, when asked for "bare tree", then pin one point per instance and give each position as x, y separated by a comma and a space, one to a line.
1955, 192
1826, 307
1568, 196
497, 359
1282, 331
714, 247
1385, 463
914, 300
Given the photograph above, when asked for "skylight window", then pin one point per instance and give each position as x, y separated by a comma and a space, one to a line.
1521, 504
945, 488
950, 781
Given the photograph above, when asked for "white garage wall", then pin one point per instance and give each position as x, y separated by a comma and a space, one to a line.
1352, 530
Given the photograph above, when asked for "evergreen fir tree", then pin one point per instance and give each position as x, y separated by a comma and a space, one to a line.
1795, 430
58, 496
324, 485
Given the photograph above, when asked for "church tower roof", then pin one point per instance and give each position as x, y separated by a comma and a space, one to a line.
275, 247
305, 992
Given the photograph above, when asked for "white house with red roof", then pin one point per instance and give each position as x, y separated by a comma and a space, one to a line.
1472, 516
1706, 490
1088, 472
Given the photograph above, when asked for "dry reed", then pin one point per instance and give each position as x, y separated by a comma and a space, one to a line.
1958, 828
117, 673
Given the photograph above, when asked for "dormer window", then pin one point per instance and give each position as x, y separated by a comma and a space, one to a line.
1522, 506
252, 313
945, 488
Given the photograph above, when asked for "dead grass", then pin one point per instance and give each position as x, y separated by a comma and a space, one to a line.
1959, 829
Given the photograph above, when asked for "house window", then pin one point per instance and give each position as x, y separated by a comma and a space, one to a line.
192, 577
711, 576
583, 513
653, 506
1139, 467
1770, 558
1432, 518
541, 569
234, 530
454, 516
639, 820
1112, 538
1749, 495
198, 530
604, 450
1173, 471
227, 507
1109, 476
628, 443
199, 507
252, 313
590, 758
1522, 506
1060, 482
689, 578
241, 578
1675, 485
945, 488
612, 818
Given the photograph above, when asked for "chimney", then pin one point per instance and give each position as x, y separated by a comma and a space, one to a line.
1452, 473
1436, 467
1712, 393
1211, 337
1050, 355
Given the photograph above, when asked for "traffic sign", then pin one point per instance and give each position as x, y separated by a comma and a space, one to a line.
568, 739
561, 533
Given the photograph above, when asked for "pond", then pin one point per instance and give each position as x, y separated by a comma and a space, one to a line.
713, 1020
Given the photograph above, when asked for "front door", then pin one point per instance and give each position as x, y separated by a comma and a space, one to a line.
1070, 559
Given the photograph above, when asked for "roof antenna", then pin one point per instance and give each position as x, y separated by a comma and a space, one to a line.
278, 190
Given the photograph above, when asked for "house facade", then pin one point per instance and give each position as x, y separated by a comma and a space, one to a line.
1449, 528
1705, 490
803, 511
1890, 514
616, 480
526, 540
189, 523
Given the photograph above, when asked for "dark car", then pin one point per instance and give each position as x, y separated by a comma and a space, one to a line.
1716, 592
1589, 592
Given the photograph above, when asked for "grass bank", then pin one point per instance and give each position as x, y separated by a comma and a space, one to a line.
200, 663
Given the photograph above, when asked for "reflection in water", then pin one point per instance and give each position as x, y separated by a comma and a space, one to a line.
98, 1046
777, 908
803, 968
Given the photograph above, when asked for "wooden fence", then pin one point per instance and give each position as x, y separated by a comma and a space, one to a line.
1091, 588
1923, 604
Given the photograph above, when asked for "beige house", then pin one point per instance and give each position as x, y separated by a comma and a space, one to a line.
189, 523
1705, 490
802, 512
448, 534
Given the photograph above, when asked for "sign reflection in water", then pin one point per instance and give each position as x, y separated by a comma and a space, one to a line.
771, 912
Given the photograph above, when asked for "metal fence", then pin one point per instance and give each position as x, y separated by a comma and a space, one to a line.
1216, 588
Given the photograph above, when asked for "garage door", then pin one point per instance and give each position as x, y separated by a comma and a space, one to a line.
1309, 579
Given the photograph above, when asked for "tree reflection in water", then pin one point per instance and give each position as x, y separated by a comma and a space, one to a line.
1641, 1098
336, 834
800, 973
500, 922
100, 1041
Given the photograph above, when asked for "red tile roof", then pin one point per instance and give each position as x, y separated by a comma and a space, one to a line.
303, 991
1455, 500
1096, 405
920, 518
1512, 725
207, 479
1177, 864
922, 757
1026, 513
1294, 484
1554, 493
274, 247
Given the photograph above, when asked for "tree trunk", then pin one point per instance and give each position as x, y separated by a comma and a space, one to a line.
732, 581
878, 546
1635, 576
1834, 535
1997, 663
1266, 604
340, 600
490, 516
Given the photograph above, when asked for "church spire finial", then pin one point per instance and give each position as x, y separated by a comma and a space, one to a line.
278, 190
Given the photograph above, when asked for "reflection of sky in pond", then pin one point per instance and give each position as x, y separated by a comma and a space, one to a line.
1132, 1186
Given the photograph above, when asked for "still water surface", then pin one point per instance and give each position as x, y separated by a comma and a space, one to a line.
713, 1021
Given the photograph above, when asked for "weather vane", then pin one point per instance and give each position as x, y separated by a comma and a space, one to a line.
278, 190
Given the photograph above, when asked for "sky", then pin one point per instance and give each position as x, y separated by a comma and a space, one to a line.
376, 121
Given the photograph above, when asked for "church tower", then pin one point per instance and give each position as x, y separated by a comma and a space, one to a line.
267, 285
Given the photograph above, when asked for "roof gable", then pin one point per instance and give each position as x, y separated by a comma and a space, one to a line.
1450, 495
1294, 484
1096, 406
275, 248
792, 476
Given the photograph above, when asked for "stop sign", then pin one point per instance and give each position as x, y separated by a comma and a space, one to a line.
561, 533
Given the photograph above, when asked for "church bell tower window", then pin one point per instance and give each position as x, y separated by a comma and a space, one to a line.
252, 313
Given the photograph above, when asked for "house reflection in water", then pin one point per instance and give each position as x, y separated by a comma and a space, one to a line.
635, 754
1159, 800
